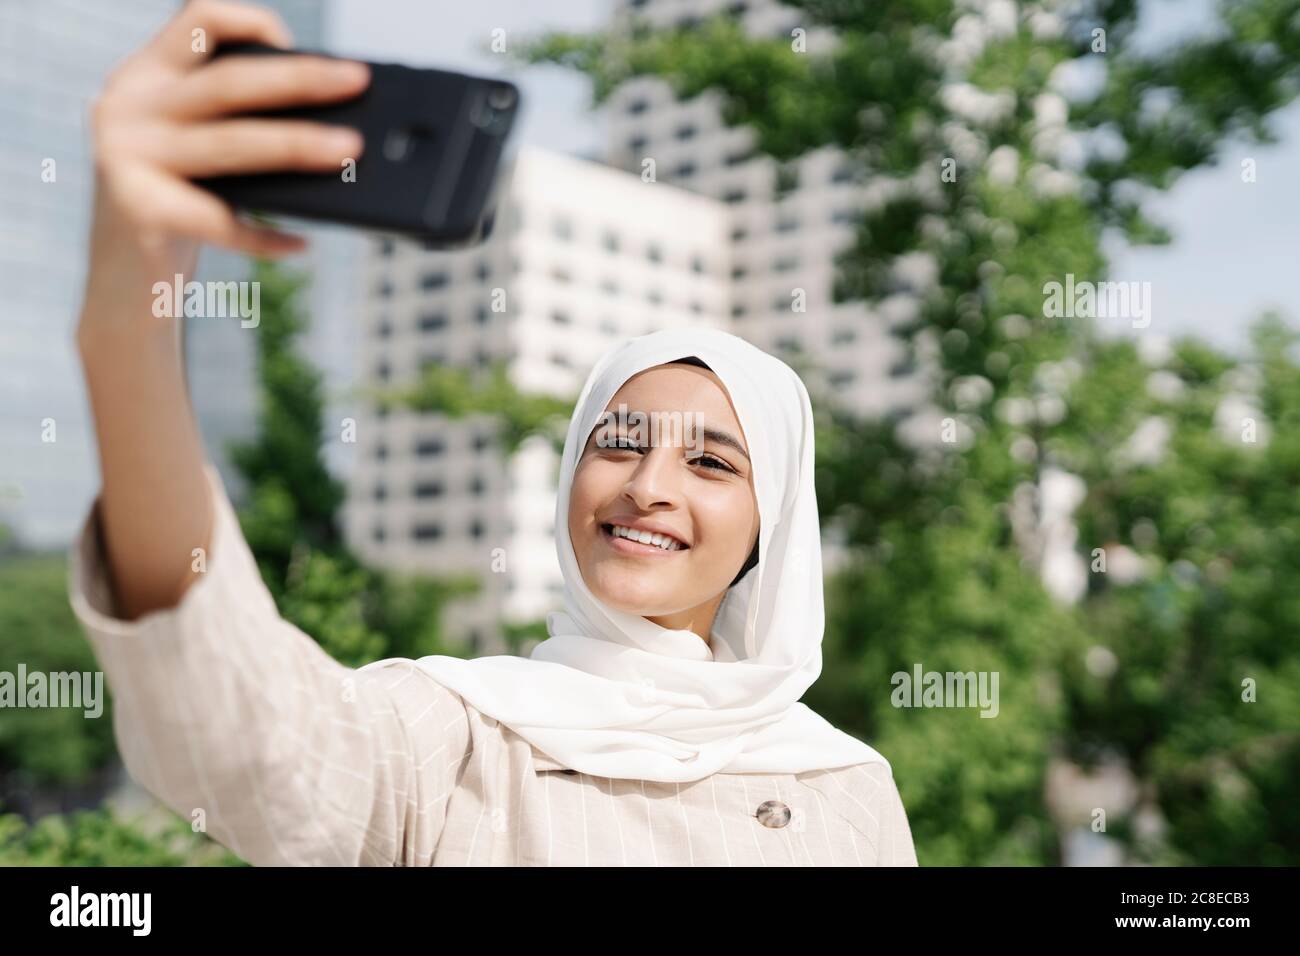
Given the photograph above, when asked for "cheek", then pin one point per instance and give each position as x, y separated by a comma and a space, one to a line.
725, 520
584, 501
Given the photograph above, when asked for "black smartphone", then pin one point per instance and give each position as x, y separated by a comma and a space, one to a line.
434, 141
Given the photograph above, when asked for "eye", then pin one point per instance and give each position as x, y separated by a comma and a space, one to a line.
709, 461
718, 463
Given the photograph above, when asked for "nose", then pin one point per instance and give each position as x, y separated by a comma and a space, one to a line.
656, 481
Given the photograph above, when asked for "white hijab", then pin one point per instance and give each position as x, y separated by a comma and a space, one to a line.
615, 695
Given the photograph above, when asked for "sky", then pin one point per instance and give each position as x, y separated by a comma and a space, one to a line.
1234, 243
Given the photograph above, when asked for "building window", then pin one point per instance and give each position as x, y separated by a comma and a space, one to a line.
739, 233
381, 492
476, 529
902, 368
560, 317
610, 241
428, 447
654, 253
431, 361
684, 170
481, 315
686, 131
636, 144
483, 271
477, 485
843, 174
433, 280
562, 228
383, 371
735, 159
843, 336
697, 263
378, 533
481, 441
788, 224
384, 329
842, 379
637, 105
385, 247
385, 288
734, 196
427, 489
785, 264
559, 359
738, 310
381, 452
432, 321
739, 272
430, 531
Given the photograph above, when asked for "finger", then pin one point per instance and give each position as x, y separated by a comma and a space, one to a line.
166, 208
259, 146
244, 83
189, 38
181, 208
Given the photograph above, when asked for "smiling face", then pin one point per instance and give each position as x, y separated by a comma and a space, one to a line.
633, 475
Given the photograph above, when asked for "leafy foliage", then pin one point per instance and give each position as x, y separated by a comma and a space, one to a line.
358, 614
941, 570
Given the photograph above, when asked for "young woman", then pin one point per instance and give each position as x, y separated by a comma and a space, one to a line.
659, 724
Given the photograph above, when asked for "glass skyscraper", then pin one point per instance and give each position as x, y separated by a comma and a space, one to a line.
54, 55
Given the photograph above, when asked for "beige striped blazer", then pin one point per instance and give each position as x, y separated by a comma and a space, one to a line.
231, 715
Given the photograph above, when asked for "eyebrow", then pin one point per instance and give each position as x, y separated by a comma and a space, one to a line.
725, 438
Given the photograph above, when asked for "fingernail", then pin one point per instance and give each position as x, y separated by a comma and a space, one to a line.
350, 71
347, 141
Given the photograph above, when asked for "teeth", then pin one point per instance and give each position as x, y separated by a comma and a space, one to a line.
662, 541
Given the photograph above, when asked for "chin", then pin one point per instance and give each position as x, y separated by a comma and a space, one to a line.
619, 591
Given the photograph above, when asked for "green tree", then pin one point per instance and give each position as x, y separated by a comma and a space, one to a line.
49, 747
954, 115
358, 614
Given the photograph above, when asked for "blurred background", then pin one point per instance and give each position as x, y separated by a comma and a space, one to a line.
1100, 506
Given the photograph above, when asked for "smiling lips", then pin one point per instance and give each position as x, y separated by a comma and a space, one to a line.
629, 541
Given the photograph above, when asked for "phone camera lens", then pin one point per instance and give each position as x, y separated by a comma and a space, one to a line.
501, 97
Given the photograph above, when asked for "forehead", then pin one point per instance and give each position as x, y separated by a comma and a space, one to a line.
678, 388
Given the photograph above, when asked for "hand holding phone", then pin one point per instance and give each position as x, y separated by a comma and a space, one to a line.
434, 141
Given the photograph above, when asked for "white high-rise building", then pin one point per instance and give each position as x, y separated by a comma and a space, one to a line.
582, 257
786, 225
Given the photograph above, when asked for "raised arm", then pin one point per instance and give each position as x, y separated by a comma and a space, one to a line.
229, 714
158, 121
